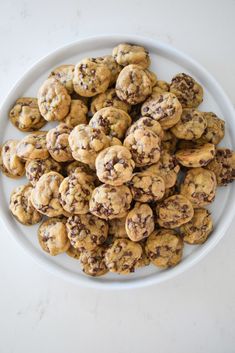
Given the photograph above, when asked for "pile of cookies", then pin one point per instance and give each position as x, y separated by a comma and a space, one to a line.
123, 179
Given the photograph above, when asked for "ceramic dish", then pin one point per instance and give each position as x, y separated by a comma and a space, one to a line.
166, 61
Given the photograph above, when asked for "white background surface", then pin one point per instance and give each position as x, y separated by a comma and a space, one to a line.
194, 312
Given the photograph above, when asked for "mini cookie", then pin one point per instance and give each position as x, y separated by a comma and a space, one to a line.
12, 166
64, 74
74, 253
21, 206
149, 123
147, 187
160, 87
122, 256
37, 167
144, 146
114, 165
91, 78
191, 125
214, 131
58, 144
139, 222
93, 262
164, 248
169, 142
80, 168
25, 115
2, 168
86, 232
53, 100
117, 228
174, 211
33, 146
112, 65
45, 195
112, 121
199, 228
75, 192
167, 167
199, 186
187, 90
164, 107
152, 76
133, 84
126, 54
77, 114
108, 99
86, 142
110, 202
198, 156
144, 259
114, 141
52, 236
223, 165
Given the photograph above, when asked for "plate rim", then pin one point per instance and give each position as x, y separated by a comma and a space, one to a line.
90, 282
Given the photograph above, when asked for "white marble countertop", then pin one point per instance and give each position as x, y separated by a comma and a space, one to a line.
194, 312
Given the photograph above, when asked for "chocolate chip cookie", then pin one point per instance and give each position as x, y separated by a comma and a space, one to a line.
93, 262
139, 222
33, 146
77, 113
64, 74
174, 211
160, 87
147, 187
86, 231
112, 65
164, 107
11, 165
169, 142
91, 78
187, 90
223, 165
149, 123
126, 54
25, 115
133, 84
164, 248
199, 228
52, 236
191, 125
73, 252
80, 168
112, 121
114, 165
37, 167
198, 156
45, 195
21, 206
214, 131
53, 100
58, 144
86, 142
199, 186
144, 146
110, 202
122, 256
108, 99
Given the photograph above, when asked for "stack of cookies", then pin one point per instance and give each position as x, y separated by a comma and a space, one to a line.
123, 179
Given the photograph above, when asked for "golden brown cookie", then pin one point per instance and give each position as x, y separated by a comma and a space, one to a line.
223, 165
45, 195
108, 99
191, 125
139, 222
114, 165
133, 84
126, 54
110, 202
174, 211
33, 146
214, 131
91, 78
73, 252
64, 74
86, 231
122, 256
144, 146
21, 206
82, 168
77, 113
25, 115
199, 186
164, 248
53, 100
164, 107
112, 121
93, 262
199, 228
147, 187
111, 64
37, 167
149, 123
58, 144
160, 87
11, 165
198, 156
52, 236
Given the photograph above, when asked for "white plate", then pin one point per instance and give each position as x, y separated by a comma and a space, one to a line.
166, 62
